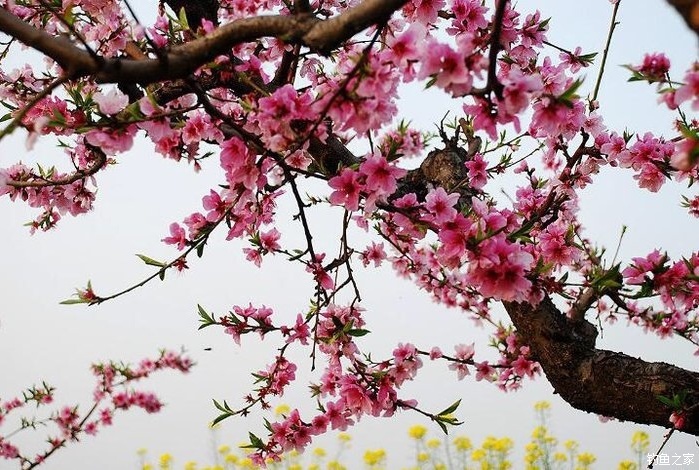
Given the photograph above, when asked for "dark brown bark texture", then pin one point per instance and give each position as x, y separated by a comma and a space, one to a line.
590, 379
608, 383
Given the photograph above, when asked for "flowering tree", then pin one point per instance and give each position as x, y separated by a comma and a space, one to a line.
298, 99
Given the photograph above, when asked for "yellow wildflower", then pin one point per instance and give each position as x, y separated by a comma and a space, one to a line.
627, 465
542, 406
433, 443
462, 443
423, 457
640, 442
191, 465
560, 457
586, 459
224, 449
282, 409
319, 452
571, 445
165, 461
374, 457
344, 437
335, 465
417, 431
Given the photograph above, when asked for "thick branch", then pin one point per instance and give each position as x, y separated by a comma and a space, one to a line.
599, 381
181, 61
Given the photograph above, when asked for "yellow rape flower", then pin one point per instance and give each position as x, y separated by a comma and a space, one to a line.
560, 457
503, 444
423, 457
165, 461
433, 443
191, 465
319, 452
282, 409
571, 445
627, 465
417, 431
246, 463
586, 459
640, 442
542, 406
539, 433
335, 465
224, 449
374, 457
478, 454
344, 437
462, 443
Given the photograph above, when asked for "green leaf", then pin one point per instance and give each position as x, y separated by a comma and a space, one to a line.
182, 18
357, 332
451, 408
569, 95
151, 262
667, 401
256, 441
220, 418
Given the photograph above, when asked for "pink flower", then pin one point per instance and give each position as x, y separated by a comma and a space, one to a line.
111, 103
321, 276
654, 67
380, 175
477, 174
435, 353
374, 253
498, 269
463, 354
269, 240
347, 187
336, 413
177, 236
354, 397
690, 90
441, 205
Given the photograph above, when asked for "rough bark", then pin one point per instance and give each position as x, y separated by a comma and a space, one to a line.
598, 381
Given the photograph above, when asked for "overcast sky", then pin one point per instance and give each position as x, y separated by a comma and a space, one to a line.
143, 194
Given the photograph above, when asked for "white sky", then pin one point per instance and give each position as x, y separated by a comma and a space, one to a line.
137, 200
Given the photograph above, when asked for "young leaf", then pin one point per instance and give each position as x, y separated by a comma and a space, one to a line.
151, 262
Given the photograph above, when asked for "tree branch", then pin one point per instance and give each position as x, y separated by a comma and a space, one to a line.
181, 61
599, 381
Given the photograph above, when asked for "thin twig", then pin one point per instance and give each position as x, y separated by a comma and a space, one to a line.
612, 26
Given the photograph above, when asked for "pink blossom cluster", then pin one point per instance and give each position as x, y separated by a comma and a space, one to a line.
264, 109
676, 284
112, 380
